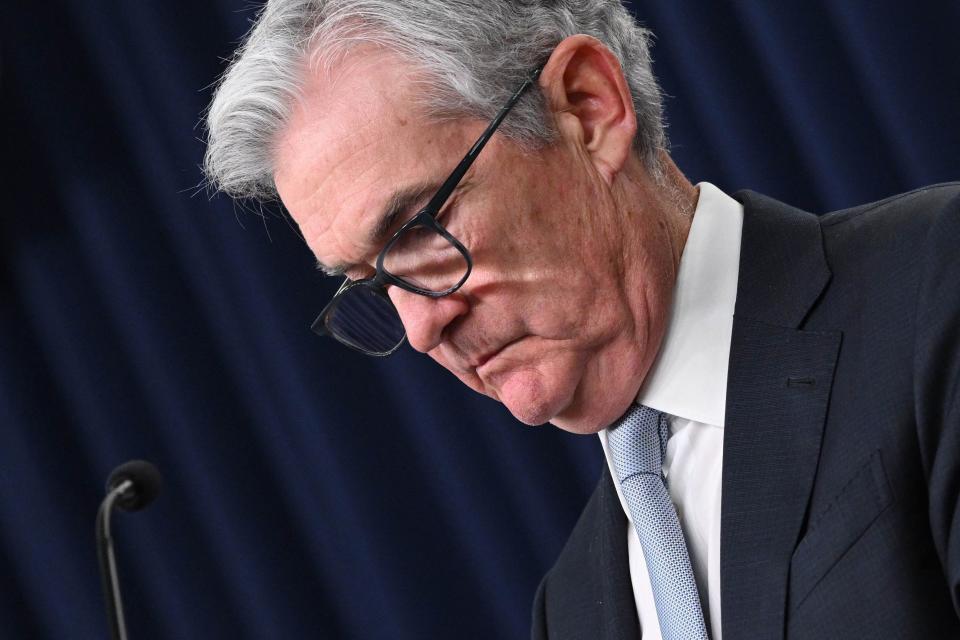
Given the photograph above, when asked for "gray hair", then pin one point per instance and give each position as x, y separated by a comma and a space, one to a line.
471, 55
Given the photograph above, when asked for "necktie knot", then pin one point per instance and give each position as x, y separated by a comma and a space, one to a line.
638, 442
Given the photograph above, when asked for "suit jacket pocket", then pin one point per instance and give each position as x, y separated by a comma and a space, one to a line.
837, 527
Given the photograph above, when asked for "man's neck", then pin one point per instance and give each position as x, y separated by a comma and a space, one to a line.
667, 196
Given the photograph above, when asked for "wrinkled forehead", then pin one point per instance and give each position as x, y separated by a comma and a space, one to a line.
352, 140
337, 115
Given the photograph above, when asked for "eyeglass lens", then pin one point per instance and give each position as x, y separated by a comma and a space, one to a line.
366, 320
424, 258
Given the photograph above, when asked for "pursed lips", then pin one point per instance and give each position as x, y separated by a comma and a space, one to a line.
486, 357
482, 359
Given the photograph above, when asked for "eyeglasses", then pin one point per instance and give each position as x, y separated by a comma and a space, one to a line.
422, 257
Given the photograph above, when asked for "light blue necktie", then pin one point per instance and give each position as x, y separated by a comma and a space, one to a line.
638, 442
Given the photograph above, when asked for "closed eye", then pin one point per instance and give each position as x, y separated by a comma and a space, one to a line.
448, 213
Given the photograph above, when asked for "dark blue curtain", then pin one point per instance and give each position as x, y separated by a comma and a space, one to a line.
309, 492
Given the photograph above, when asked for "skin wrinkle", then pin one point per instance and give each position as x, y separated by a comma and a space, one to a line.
360, 248
397, 214
557, 234
333, 78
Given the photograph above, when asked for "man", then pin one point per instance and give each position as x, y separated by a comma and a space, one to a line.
775, 393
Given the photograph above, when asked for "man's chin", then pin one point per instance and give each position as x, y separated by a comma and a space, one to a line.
532, 398
534, 403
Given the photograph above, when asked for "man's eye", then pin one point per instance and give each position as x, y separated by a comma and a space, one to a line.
448, 214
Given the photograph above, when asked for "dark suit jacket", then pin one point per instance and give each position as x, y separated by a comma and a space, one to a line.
841, 452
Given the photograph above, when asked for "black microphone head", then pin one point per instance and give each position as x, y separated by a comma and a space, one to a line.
146, 484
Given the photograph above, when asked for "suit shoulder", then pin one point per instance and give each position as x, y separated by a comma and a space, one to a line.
921, 205
879, 256
894, 233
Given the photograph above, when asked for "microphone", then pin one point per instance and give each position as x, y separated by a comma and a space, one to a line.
131, 487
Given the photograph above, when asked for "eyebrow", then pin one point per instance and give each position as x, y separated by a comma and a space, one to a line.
399, 204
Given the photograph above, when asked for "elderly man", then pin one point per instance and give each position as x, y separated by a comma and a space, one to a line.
805, 369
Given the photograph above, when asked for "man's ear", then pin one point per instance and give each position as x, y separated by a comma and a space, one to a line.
585, 89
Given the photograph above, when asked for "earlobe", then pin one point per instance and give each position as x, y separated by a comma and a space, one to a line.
591, 102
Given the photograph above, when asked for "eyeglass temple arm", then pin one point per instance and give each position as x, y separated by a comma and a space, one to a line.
440, 197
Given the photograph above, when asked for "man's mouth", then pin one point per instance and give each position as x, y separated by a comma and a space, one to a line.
482, 359
486, 357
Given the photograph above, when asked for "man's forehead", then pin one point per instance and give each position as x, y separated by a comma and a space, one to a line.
399, 206
332, 120
336, 145
356, 152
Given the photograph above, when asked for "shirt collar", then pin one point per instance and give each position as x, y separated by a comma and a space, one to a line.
688, 379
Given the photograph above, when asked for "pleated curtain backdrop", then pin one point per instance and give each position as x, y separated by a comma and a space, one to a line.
310, 492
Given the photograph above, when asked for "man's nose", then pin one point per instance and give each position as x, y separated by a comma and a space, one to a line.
425, 318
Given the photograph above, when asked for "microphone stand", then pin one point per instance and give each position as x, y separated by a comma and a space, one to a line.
108, 563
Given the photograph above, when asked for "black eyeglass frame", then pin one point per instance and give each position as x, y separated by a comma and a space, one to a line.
426, 217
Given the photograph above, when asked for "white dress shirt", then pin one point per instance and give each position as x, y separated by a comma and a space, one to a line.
688, 381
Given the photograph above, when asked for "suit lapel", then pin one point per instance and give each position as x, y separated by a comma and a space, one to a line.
777, 391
